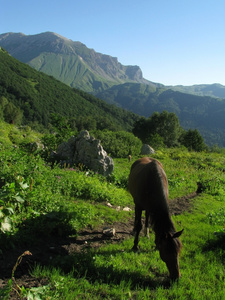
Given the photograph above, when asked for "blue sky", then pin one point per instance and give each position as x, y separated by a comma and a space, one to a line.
173, 41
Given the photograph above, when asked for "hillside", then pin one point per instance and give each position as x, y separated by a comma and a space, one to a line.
204, 113
37, 95
70, 62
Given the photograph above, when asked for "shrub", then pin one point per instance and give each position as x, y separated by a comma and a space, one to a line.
119, 144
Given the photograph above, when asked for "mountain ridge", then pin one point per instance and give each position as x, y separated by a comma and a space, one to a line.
92, 71
101, 70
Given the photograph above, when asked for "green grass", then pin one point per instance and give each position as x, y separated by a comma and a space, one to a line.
115, 272
37, 201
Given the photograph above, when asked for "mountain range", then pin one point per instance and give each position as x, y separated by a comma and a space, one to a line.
197, 106
70, 62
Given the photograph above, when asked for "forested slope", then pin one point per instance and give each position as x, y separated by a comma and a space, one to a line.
203, 113
29, 96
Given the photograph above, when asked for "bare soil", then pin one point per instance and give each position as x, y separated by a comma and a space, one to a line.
58, 246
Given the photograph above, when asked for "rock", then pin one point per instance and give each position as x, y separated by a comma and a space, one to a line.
146, 149
126, 209
109, 231
87, 150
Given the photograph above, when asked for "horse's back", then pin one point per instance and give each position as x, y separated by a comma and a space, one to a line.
147, 182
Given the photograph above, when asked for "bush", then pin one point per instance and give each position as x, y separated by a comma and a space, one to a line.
119, 144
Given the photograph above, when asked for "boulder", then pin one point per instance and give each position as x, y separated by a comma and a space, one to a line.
87, 150
146, 149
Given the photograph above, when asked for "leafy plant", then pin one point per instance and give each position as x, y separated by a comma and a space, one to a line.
5, 217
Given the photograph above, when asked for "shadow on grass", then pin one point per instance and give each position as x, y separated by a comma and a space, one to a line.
41, 236
217, 245
53, 243
83, 265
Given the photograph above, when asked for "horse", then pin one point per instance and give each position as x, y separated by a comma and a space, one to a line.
148, 186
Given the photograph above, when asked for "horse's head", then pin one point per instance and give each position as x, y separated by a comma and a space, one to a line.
169, 248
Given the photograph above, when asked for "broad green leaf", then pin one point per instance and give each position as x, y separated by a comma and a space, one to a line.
19, 199
24, 185
10, 209
6, 225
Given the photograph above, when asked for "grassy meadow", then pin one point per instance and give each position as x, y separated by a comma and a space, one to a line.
38, 202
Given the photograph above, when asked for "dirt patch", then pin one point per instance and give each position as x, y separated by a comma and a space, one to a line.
47, 249
182, 204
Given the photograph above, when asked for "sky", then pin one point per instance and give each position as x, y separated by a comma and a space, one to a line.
174, 42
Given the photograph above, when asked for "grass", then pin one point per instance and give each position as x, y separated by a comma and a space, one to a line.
37, 201
115, 272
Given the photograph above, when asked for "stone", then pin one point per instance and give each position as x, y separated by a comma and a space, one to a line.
109, 231
126, 208
88, 151
146, 149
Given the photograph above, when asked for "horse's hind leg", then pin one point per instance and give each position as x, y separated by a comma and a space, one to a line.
137, 226
147, 215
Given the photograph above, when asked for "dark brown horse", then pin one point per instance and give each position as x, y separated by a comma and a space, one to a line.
148, 186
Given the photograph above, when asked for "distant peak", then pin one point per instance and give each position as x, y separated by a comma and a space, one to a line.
55, 34
60, 36
50, 33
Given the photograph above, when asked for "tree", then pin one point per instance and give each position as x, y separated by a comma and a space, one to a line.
192, 140
140, 129
12, 114
62, 129
165, 125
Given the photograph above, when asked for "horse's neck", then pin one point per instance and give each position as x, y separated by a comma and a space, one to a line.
163, 224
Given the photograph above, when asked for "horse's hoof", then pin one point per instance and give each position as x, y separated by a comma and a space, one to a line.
135, 249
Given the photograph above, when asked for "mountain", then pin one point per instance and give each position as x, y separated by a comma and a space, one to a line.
214, 90
198, 106
32, 95
80, 67
70, 62
202, 112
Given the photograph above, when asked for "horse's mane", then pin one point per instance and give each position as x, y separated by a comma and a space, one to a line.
159, 214
160, 217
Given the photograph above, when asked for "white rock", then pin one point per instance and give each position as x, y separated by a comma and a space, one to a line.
109, 231
127, 209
